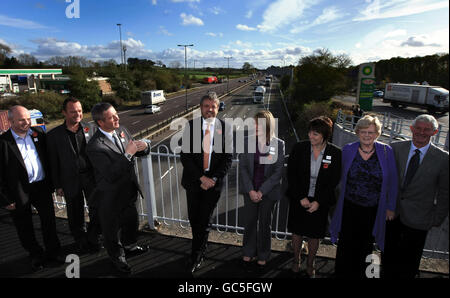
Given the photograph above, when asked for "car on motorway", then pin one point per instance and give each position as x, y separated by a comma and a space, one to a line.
378, 93
221, 106
151, 109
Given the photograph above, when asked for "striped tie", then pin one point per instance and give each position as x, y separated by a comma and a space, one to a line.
206, 147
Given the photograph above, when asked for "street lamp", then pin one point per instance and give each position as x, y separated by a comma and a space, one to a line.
121, 46
185, 68
228, 71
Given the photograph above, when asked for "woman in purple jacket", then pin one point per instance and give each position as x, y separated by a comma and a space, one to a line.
367, 199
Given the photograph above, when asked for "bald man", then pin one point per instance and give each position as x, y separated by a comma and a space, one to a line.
25, 181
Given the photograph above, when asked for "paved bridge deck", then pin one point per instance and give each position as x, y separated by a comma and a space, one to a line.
165, 259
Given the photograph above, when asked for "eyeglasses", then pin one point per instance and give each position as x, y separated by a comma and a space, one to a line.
365, 132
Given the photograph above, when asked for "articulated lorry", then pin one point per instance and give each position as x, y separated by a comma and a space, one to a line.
432, 98
258, 94
152, 97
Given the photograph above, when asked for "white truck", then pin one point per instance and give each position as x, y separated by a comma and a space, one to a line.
432, 98
258, 94
152, 97
268, 80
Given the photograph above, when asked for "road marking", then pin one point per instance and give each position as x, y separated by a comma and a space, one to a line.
135, 122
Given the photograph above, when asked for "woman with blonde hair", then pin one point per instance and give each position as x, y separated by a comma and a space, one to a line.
260, 168
367, 199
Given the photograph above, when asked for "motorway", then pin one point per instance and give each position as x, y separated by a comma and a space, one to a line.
167, 171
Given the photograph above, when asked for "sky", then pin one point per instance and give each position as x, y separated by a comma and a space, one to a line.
262, 32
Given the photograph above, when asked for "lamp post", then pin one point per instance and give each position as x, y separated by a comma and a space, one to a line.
228, 71
185, 67
121, 47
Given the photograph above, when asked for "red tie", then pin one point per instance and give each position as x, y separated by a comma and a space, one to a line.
206, 147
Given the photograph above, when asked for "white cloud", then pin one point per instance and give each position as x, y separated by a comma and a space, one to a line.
249, 14
328, 15
395, 33
283, 12
377, 9
216, 10
20, 23
245, 27
164, 31
419, 41
358, 45
190, 20
212, 34
180, 1
154, 2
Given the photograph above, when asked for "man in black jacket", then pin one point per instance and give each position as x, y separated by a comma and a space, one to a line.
24, 181
205, 166
72, 173
111, 151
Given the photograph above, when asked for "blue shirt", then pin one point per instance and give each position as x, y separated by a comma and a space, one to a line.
412, 151
30, 156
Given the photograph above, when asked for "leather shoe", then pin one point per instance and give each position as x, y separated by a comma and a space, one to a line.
136, 250
194, 264
121, 265
37, 264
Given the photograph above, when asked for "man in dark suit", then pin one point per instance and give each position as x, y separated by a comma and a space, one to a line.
72, 173
422, 202
206, 157
24, 181
111, 151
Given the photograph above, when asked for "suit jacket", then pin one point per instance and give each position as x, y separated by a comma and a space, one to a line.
271, 187
388, 195
63, 159
14, 184
114, 174
299, 173
191, 154
424, 202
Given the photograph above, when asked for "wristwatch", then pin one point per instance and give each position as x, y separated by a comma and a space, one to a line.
128, 156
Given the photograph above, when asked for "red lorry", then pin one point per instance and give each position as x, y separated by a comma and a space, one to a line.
210, 80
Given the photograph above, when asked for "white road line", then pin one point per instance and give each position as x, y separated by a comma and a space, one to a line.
135, 122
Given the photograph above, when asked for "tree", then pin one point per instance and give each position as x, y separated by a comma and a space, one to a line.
88, 92
247, 68
27, 60
320, 76
4, 50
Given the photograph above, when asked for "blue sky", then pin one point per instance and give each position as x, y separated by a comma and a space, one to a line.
262, 32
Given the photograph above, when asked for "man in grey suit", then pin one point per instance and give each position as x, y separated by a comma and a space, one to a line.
112, 151
72, 173
422, 202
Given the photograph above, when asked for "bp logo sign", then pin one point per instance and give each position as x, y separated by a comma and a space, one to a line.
367, 70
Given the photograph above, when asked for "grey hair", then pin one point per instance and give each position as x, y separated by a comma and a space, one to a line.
211, 95
366, 121
428, 119
98, 109
11, 111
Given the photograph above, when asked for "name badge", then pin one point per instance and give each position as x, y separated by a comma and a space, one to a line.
86, 135
122, 140
328, 157
35, 139
326, 161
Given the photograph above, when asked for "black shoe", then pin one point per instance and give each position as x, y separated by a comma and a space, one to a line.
58, 258
194, 265
121, 265
136, 250
37, 263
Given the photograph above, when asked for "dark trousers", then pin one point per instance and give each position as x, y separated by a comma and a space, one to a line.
119, 226
75, 212
257, 228
201, 205
42, 200
402, 250
355, 241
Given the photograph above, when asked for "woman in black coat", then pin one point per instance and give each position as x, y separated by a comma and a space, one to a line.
314, 168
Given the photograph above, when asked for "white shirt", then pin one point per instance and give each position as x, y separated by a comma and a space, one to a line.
412, 151
211, 133
30, 156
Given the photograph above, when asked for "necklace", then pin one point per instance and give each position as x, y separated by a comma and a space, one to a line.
367, 152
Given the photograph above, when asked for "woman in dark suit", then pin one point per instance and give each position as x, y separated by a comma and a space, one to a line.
260, 169
314, 168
